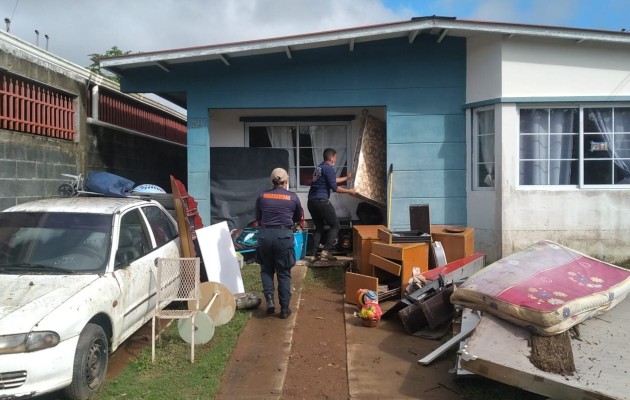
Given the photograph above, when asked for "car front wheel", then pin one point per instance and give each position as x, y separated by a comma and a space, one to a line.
90, 363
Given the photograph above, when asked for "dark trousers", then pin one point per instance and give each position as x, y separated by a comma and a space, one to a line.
276, 255
323, 212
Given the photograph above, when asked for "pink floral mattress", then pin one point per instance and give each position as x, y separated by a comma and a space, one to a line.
546, 288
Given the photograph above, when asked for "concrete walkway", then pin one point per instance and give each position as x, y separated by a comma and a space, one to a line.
382, 362
260, 359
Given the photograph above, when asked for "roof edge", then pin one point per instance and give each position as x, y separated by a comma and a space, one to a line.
414, 25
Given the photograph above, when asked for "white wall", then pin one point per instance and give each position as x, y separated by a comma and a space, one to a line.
228, 131
483, 82
564, 68
483, 73
595, 222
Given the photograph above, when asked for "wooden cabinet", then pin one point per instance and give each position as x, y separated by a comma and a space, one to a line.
398, 260
362, 238
457, 245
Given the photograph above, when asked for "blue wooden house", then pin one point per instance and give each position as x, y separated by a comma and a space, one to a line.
488, 123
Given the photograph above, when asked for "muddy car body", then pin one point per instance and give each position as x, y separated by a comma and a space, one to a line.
77, 277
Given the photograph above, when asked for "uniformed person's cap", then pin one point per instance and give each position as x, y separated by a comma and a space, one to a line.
279, 175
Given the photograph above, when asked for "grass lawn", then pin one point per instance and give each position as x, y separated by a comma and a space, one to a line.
173, 376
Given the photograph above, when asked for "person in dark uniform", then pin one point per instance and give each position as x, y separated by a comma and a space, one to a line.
276, 212
319, 205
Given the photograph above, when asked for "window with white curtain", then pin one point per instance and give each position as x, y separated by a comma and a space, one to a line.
574, 146
305, 143
606, 146
483, 149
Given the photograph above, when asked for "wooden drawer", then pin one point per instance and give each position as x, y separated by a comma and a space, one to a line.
396, 251
399, 260
385, 264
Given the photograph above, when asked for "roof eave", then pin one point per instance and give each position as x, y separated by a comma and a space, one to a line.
350, 37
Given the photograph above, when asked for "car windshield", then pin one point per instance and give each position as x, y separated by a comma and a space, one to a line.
54, 243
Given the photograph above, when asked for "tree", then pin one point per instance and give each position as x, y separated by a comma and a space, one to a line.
96, 67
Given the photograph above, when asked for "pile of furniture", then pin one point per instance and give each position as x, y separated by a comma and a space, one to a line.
386, 261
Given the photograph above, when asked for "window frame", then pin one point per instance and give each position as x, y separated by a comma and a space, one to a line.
581, 137
160, 225
475, 145
295, 168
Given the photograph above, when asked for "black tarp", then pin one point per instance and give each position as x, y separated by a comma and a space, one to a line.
237, 176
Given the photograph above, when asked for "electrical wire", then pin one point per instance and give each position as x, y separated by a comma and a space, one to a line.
14, 8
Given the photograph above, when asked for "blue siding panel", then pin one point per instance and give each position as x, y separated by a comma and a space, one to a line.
426, 128
422, 86
449, 211
427, 156
429, 184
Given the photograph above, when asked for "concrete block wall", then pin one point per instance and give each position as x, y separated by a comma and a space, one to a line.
31, 165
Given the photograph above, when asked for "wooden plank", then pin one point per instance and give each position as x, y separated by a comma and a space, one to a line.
183, 227
499, 350
354, 282
384, 235
188, 218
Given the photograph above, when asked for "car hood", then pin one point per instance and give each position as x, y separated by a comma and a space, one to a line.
27, 299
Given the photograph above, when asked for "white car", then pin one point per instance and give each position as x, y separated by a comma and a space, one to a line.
77, 278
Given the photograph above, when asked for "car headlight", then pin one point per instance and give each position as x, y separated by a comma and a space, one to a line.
28, 342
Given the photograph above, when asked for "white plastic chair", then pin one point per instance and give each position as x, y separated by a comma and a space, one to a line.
178, 279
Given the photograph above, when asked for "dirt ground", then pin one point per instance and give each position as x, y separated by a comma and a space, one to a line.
317, 365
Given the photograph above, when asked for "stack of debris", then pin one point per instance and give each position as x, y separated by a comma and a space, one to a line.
425, 309
531, 305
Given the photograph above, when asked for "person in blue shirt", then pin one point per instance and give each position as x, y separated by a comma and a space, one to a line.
276, 212
322, 211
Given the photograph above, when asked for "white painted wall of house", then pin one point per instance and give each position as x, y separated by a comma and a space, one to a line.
595, 222
483, 82
564, 68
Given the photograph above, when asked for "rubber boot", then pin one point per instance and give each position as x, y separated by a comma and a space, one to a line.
285, 312
271, 307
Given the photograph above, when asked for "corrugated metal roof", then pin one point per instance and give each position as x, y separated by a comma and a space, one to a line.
438, 26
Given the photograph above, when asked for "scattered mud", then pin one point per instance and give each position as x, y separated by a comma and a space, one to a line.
554, 353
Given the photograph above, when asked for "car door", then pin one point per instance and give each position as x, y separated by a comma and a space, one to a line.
134, 269
165, 239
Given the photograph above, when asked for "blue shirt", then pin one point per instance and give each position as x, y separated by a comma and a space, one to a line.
278, 206
324, 180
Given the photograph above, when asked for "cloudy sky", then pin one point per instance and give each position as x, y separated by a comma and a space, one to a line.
77, 28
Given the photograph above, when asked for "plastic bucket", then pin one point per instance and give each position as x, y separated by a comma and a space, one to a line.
299, 243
